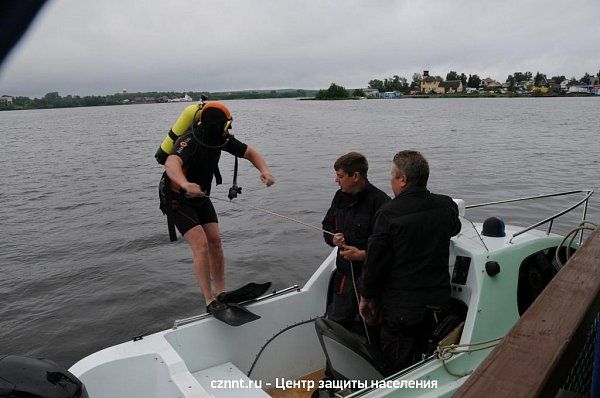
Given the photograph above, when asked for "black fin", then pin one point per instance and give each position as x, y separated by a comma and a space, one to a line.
232, 314
247, 292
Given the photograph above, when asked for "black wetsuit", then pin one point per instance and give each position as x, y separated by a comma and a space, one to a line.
407, 268
200, 164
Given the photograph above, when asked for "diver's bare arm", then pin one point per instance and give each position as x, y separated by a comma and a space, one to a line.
174, 169
257, 161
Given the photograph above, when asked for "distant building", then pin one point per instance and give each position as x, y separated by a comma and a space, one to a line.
5, 100
437, 85
186, 98
389, 95
490, 84
370, 92
525, 84
142, 100
580, 88
452, 86
431, 84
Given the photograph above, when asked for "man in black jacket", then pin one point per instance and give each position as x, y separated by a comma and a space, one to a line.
351, 217
406, 270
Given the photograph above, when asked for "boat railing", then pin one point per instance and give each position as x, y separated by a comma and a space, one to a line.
549, 220
554, 347
192, 319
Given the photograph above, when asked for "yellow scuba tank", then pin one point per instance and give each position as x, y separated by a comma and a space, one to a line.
189, 116
183, 124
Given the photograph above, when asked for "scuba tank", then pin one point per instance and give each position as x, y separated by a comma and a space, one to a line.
166, 146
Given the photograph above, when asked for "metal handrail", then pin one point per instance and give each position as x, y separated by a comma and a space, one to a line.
588, 193
185, 321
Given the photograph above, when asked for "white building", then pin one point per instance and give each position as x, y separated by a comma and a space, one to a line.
185, 98
370, 92
582, 88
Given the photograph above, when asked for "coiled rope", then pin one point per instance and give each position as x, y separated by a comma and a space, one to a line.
444, 353
572, 234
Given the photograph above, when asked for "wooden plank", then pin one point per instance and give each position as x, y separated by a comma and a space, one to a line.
534, 357
298, 392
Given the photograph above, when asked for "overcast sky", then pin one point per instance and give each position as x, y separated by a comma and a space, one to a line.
101, 47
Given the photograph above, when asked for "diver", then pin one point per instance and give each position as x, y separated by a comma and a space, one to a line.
190, 154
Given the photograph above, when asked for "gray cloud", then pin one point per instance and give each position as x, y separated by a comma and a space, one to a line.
90, 47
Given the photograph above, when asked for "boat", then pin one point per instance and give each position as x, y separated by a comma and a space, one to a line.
493, 281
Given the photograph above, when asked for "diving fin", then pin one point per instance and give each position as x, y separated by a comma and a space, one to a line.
247, 292
232, 314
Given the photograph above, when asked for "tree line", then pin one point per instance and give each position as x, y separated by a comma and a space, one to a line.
55, 100
401, 84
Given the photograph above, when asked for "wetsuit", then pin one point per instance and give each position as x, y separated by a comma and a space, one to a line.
200, 165
353, 215
407, 269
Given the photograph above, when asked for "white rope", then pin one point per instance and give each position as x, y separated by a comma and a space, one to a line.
444, 353
271, 212
358, 303
310, 226
582, 227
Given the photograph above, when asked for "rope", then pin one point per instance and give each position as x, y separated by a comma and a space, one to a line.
444, 353
306, 225
582, 227
478, 235
358, 303
271, 213
310, 226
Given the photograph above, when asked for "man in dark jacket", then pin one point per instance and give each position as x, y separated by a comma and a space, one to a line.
407, 267
350, 217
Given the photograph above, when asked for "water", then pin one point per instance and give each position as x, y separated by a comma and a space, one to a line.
85, 259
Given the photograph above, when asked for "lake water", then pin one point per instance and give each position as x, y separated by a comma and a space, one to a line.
85, 258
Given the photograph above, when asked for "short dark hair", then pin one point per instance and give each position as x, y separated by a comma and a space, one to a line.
412, 165
351, 163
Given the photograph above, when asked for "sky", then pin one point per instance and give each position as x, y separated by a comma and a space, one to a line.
85, 47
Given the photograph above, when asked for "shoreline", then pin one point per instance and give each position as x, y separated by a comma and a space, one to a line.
419, 96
